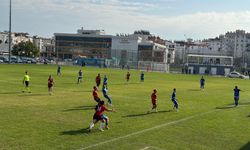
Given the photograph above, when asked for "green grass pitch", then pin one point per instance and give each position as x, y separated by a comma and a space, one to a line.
206, 119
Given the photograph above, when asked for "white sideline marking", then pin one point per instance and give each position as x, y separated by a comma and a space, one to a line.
157, 148
145, 148
146, 130
153, 147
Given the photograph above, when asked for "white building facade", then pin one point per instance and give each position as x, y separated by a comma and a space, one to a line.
125, 48
15, 39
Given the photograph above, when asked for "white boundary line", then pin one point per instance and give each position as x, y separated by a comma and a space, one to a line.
145, 148
153, 147
146, 130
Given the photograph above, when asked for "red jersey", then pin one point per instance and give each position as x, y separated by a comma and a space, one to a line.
95, 94
98, 79
101, 110
50, 82
153, 97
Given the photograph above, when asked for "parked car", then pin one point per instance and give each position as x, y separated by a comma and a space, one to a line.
235, 74
4, 59
29, 60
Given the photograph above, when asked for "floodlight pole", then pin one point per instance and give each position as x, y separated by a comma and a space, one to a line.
10, 34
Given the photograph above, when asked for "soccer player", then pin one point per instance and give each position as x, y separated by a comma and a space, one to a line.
26, 81
98, 80
103, 117
174, 100
50, 84
142, 76
105, 81
202, 83
95, 94
128, 76
99, 114
59, 70
153, 100
80, 74
236, 96
105, 94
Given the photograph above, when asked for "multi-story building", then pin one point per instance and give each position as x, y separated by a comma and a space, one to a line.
171, 51
15, 39
234, 43
152, 52
125, 48
46, 46
4, 42
231, 44
151, 48
180, 52
88, 43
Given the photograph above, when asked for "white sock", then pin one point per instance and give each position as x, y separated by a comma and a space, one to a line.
91, 125
101, 125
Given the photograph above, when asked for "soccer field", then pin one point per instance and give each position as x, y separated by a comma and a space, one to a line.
206, 120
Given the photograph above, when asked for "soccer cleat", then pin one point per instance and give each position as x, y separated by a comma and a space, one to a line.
101, 129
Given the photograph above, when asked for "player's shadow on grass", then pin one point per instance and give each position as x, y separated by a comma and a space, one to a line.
32, 94
75, 132
225, 107
3, 93
144, 114
246, 147
80, 108
242, 103
233, 105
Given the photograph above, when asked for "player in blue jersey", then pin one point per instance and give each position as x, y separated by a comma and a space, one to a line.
59, 70
80, 75
142, 76
105, 81
174, 100
202, 83
105, 94
236, 96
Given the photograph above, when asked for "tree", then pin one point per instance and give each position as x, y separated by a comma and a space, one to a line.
27, 49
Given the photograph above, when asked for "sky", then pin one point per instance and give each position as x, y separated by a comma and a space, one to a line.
169, 19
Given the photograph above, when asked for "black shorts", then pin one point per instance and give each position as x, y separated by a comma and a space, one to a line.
27, 83
50, 85
97, 117
97, 99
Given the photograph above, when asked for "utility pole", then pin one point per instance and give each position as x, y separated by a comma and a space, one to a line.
10, 40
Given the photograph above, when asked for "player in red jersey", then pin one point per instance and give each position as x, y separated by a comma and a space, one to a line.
95, 94
99, 115
153, 99
128, 76
50, 84
98, 80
